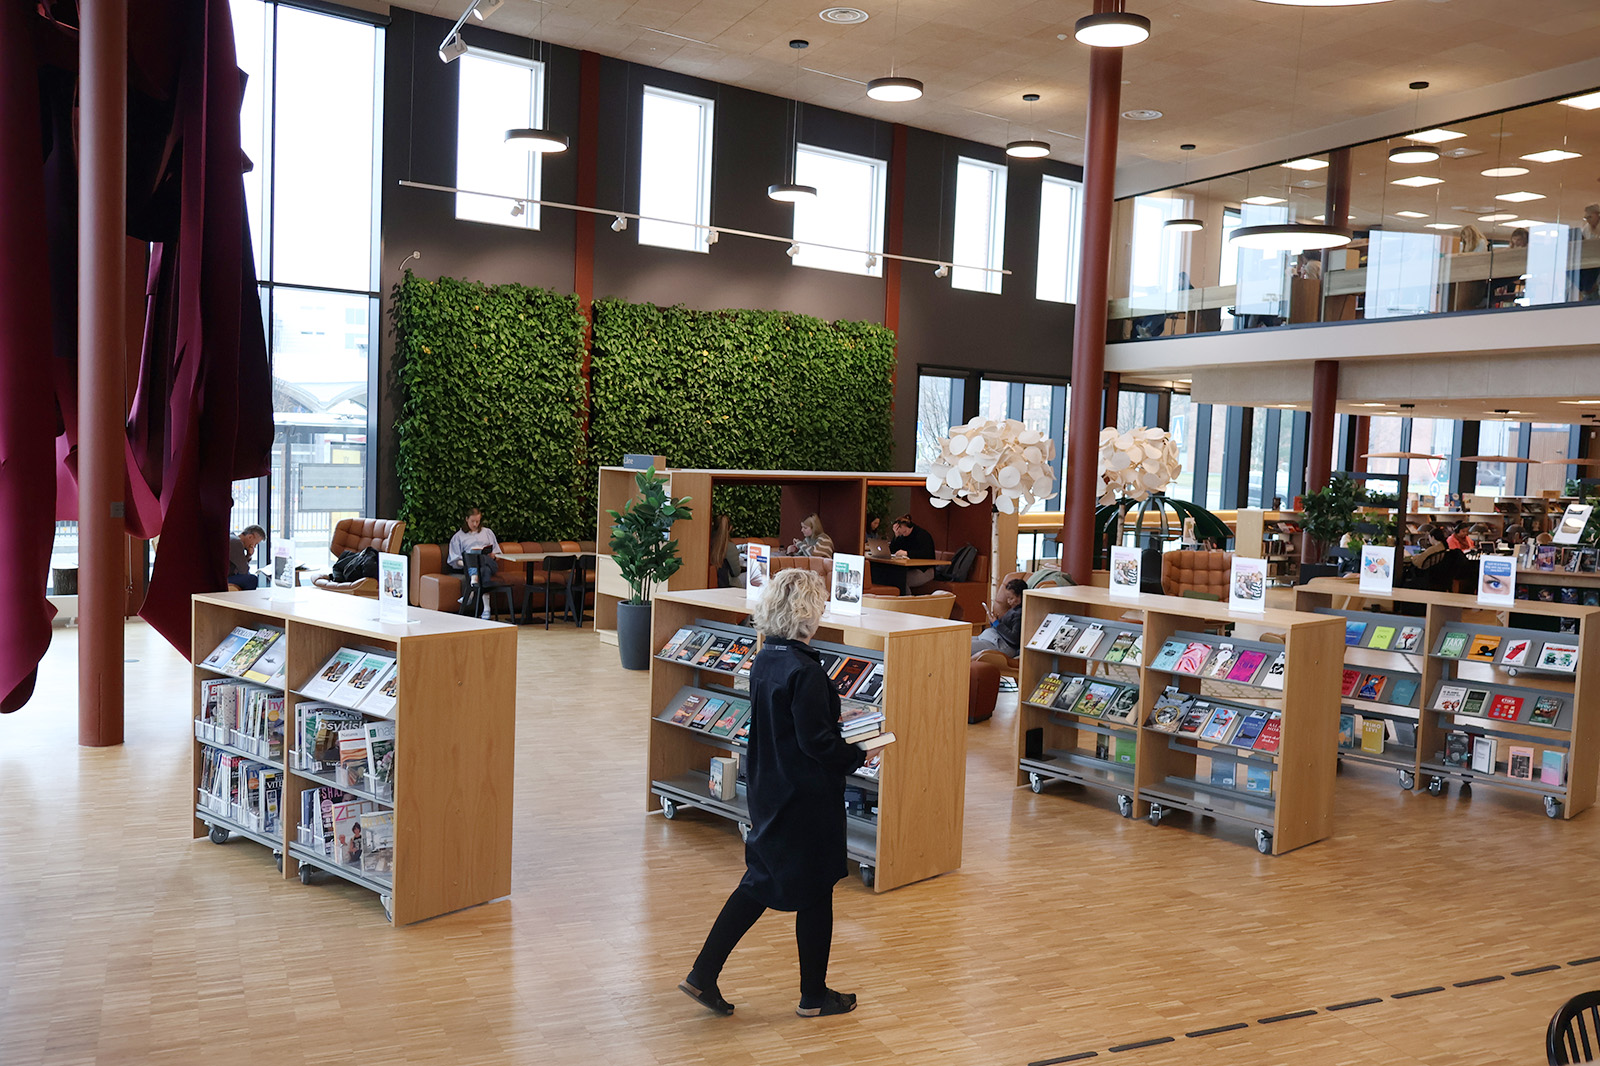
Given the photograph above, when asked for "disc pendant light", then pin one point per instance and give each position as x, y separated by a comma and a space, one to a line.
1028, 149
1184, 225
541, 138
893, 89
791, 191
1112, 29
1415, 153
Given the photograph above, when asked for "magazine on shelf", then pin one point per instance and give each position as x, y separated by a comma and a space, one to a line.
382, 700
1484, 750
1221, 662
353, 757
380, 756
1046, 632
1453, 644
1546, 710
253, 649
377, 844
211, 694
1273, 678
269, 666
1562, 657
328, 677
362, 679
223, 653
347, 832
331, 721
871, 686
1515, 652
1167, 658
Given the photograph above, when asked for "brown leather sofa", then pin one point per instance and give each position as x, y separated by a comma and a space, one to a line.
433, 588
1196, 571
970, 594
353, 534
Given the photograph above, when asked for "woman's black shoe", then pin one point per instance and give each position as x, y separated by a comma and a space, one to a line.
712, 1000
832, 1003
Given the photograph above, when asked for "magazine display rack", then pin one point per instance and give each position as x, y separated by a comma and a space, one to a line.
1285, 796
1524, 722
455, 727
905, 822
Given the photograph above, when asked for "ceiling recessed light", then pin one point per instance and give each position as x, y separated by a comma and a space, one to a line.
1524, 223
1410, 214
1552, 155
1463, 153
1417, 181
1263, 201
843, 16
1434, 136
1369, 405
1505, 172
1496, 218
1581, 403
1442, 225
1519, 197
1587, 102
1305, 164
1141, 114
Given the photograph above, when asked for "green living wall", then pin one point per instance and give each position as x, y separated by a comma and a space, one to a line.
740, 389
491, 411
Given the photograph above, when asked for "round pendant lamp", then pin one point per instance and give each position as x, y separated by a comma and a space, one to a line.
1290, 237
1112, 29
894, 90
1027, 149
537, 140
788, 192
1184, 225
1413, 153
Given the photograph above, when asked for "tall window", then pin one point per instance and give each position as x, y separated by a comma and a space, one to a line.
675, 169
980, 228
939, 406
1060, 220
846, 213
315, 144
498, 93
1158, 256
1180, 423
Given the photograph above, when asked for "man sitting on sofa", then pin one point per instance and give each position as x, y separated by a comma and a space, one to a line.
1004, 631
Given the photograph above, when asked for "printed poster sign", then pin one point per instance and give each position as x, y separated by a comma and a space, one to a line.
849, 581
1247, 585
1377, 569
757, 568
1125, 566
393, 588
1497, 580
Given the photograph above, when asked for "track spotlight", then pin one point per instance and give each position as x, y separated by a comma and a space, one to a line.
943, 271
711, 236
407, 260
619, 225
792, 251
872, 261
484, 8
452, 49
517, 209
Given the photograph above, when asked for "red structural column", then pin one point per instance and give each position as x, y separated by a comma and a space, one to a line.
1112, 399
1089, 323
1319, 445
588, 182
1361, 430
102, 376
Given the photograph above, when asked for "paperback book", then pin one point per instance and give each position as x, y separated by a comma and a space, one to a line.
1449, 699
692, 645
712, 651
1348, 682
687, 706
1452, 645
1047, 631
1258, 779
1372, 687
1119, 648
1065, 637
737, 712
708, 713
1220, 663
1090, 640
1123, 704
223, 653
1193, 659
1562, 657
1519, 763
1195, 717
1408, 639
1552, 767
1168, 711
1483, 647
1457, 749
849, 674
1274, 675
1475, 702
1268, 740
1516, 651
1382, 638
1354, 630
1096, 696
1505, 707
1483, 754
740, 649
1546, 709
1071, 690
1246, 665
1372, 736
1221, 726
871, 686
1404, 692
1347, 731
1044, 694
676, 641
1250, 727
1169, 654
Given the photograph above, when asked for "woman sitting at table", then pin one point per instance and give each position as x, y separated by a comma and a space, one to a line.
473, 536
813, 542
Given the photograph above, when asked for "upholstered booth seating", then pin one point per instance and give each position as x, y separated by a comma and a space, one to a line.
353, 534
970, 594
1205, 572
437, 590
933, 605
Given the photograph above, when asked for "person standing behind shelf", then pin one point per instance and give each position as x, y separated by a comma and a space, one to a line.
795, 771
1004, 631
473, 536
812, 542
241, 550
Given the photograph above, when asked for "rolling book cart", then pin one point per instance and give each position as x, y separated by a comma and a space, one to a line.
1497, 706
904, 821
454, 725
1260, 753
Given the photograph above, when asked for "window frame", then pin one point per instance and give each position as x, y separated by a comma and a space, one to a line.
1071, 281
968, 277
538, 72
879, 212
703, 177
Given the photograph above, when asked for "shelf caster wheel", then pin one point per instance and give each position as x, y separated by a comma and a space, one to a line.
1552, 807
1125, 805
1263, 842
388, 907
1036, 783
219, 835
1156, 813
1408, 780
1435, 786
744, 831
669, 808
868, 875
277, 858
307, 874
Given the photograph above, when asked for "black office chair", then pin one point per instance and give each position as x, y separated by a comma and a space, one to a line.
1574, 1034
579, 585
557, 568
472, 598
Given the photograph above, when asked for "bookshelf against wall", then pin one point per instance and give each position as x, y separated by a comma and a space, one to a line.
1220, 724
905, 815
425, 762
1496, 706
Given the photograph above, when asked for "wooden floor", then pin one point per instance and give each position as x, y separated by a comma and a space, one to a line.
1068, 931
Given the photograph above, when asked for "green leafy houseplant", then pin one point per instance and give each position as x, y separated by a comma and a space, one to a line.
639, 536
1330, 512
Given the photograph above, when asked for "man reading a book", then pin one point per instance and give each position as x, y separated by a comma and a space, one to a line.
1004, 631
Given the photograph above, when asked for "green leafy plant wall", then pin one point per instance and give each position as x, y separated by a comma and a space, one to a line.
491, 410
740, 389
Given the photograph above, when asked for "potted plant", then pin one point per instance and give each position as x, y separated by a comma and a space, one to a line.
1330, 513
646, 556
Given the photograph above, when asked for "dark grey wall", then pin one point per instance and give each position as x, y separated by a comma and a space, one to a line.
1010, 333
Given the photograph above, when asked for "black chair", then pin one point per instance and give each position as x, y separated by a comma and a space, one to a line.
471, 600
1574, 1034
555, 566
579, 586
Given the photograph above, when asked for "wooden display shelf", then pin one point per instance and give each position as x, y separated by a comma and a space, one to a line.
1424, 766
1298, 810
454, 747
921, 782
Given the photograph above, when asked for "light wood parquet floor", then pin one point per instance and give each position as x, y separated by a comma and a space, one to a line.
1068, 929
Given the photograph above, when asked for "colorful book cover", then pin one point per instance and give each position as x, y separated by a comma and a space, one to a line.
1347, 731
1482, 647
252, 649
1250, 727
1065, 637
1546, 709
1516, 651
1119, 648
362, 678
1552, 767
1167, 658
871, 686
1452, 645
708, 713
223, 653
377, 844
1519, 763
1123, 704
1221, 662
713, 650
347, 832
1274, 675
1222, 772
1382, 638
686, 709
1221, 726
726, 722
1484, 751
1404, 692
352, 756
849, 674
830, 660
1268, 740
1044, 693
1193, 659
1347, 685
1476, 700
1071, 690
1562, 657
1449, 699
1046, 632
1123, 749
670, 648
1090, 640
693, 645
1457, 749
729, 661
380, 756
1505, 707
1409, 639
1372, 687
1135, 654
1372, 736
1195, 718
274, 657
1168, 711
1246, 665
1258, 779
1096, 697
741, 732
1354, 630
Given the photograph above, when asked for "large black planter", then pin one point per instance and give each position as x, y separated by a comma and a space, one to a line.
633, 635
